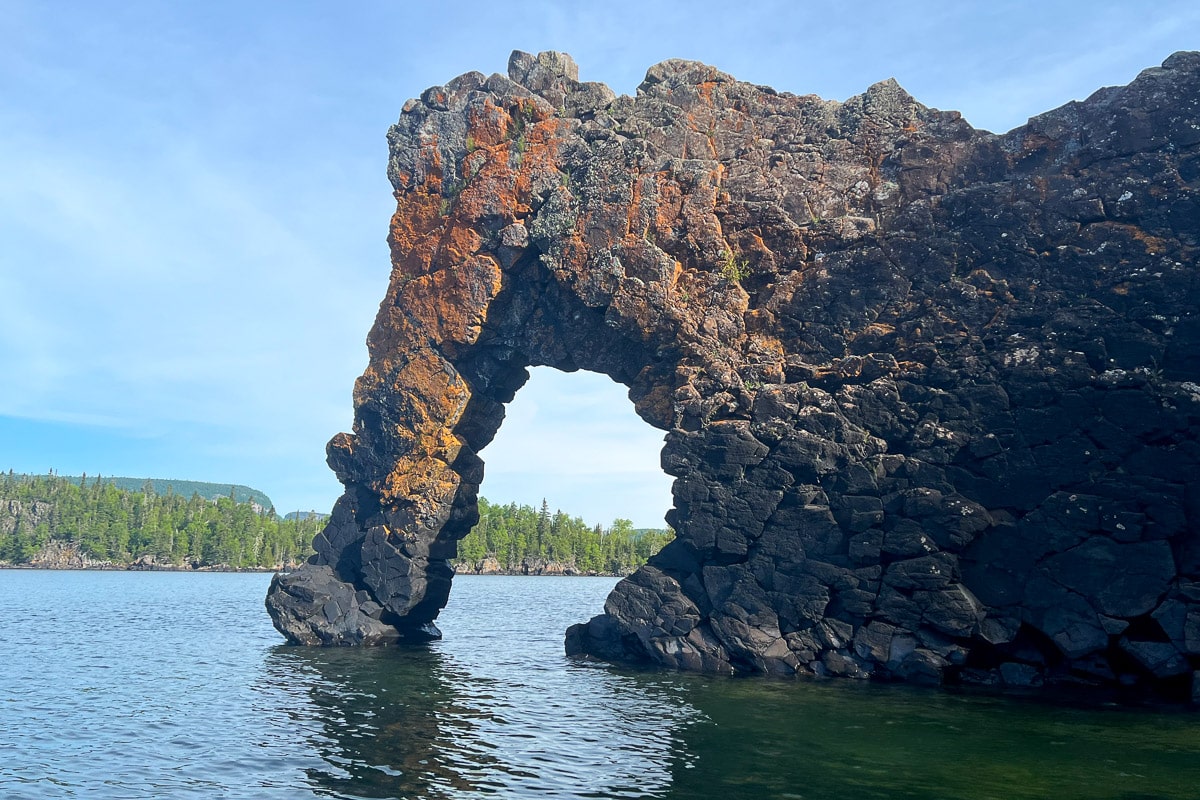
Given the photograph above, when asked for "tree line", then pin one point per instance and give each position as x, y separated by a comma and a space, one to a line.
515, 534
109, 523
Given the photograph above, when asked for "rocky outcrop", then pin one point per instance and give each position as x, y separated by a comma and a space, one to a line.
26, 513
57, 554
931, 395
528, 566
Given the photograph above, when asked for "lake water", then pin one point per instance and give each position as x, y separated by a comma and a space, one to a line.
175, 685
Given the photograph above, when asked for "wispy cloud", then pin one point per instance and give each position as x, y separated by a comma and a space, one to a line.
139, 294
194, 206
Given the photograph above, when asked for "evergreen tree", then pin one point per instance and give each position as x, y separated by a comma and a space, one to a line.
109, 523
514, 535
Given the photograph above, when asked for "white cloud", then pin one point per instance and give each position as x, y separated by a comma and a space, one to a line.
181, 295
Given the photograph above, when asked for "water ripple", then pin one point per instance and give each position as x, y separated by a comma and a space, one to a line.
120, 685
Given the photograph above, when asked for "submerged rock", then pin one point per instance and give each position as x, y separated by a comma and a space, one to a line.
931, 395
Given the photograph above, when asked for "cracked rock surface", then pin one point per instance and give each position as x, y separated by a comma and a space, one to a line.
931, 395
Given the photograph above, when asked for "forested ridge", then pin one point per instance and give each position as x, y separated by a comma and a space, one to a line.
107, 523
207, 490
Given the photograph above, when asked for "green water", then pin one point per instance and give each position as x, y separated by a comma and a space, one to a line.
828, 740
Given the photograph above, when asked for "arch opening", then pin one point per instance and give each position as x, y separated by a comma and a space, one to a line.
572, 481
573, 438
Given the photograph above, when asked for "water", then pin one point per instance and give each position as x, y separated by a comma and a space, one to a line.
174, 685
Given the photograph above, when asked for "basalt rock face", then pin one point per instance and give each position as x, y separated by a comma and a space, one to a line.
931, 395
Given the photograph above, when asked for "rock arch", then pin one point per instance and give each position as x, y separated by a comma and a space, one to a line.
930, 394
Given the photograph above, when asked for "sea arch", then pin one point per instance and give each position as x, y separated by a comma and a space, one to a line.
926, 413
512, 247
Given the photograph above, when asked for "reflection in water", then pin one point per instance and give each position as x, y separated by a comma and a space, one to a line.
177, 687
390, 720
475, 714
408, 723
495, 709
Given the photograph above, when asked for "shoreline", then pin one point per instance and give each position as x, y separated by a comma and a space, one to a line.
137, 568
226, 569
518, 574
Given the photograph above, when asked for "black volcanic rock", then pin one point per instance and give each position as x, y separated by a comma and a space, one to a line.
931, 395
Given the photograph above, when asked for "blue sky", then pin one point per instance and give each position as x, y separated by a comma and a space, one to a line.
193, 205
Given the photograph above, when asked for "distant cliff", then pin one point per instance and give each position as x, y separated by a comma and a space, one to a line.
931, 395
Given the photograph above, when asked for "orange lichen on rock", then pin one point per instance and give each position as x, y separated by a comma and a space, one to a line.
418, 215
487, 125
451, 305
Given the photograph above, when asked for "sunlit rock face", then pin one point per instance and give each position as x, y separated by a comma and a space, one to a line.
931, 395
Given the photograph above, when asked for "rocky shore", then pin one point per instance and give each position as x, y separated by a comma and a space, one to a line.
67, 556
535, 566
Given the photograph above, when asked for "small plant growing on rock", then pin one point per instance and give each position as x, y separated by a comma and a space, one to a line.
448, 199
734, 268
